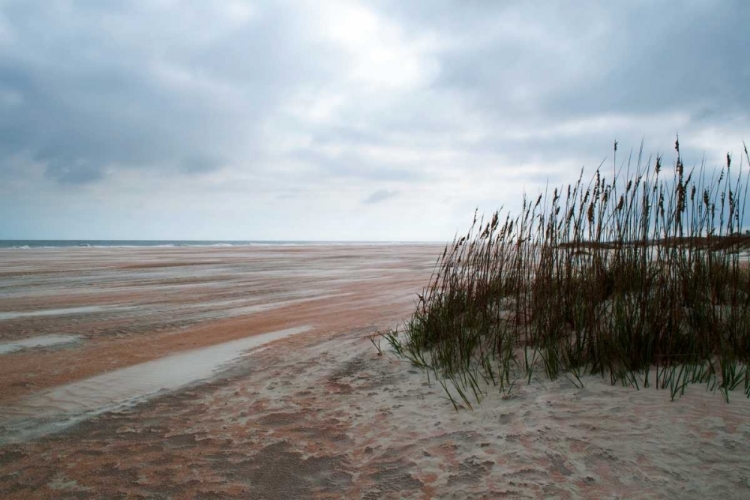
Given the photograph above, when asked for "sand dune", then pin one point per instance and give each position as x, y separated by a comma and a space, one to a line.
318, 414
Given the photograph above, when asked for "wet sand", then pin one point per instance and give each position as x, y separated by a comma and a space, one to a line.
131, 305
310, 410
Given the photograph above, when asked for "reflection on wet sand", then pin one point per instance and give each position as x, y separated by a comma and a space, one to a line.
56, 408
41, 341
111, 325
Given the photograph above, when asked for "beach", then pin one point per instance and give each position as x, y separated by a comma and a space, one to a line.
248, 372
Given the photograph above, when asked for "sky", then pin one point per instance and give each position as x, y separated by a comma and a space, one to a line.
344, 120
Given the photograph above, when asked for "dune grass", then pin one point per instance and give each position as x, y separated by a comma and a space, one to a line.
638, 278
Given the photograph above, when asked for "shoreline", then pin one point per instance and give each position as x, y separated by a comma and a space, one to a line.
140, 306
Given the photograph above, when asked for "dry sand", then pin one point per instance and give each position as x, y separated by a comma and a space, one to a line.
311, 411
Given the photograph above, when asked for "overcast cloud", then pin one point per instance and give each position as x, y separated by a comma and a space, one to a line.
370, 120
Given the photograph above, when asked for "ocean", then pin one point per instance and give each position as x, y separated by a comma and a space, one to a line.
173, 243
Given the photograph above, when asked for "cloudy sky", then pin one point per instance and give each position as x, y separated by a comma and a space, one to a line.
343, 120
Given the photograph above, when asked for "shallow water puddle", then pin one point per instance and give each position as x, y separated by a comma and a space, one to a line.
41, 341
56, 408
57, 312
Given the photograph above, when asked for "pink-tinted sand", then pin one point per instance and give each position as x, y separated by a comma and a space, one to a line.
314, 412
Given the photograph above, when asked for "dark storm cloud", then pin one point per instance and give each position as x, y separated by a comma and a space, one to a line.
674, 58
89, 97
242, 100
534, 64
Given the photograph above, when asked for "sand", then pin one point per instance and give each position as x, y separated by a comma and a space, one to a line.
132, 305
314, 412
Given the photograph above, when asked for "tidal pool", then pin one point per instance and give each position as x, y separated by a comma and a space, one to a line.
41, 341
56, 408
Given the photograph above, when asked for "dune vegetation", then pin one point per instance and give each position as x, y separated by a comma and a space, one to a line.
640, 278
